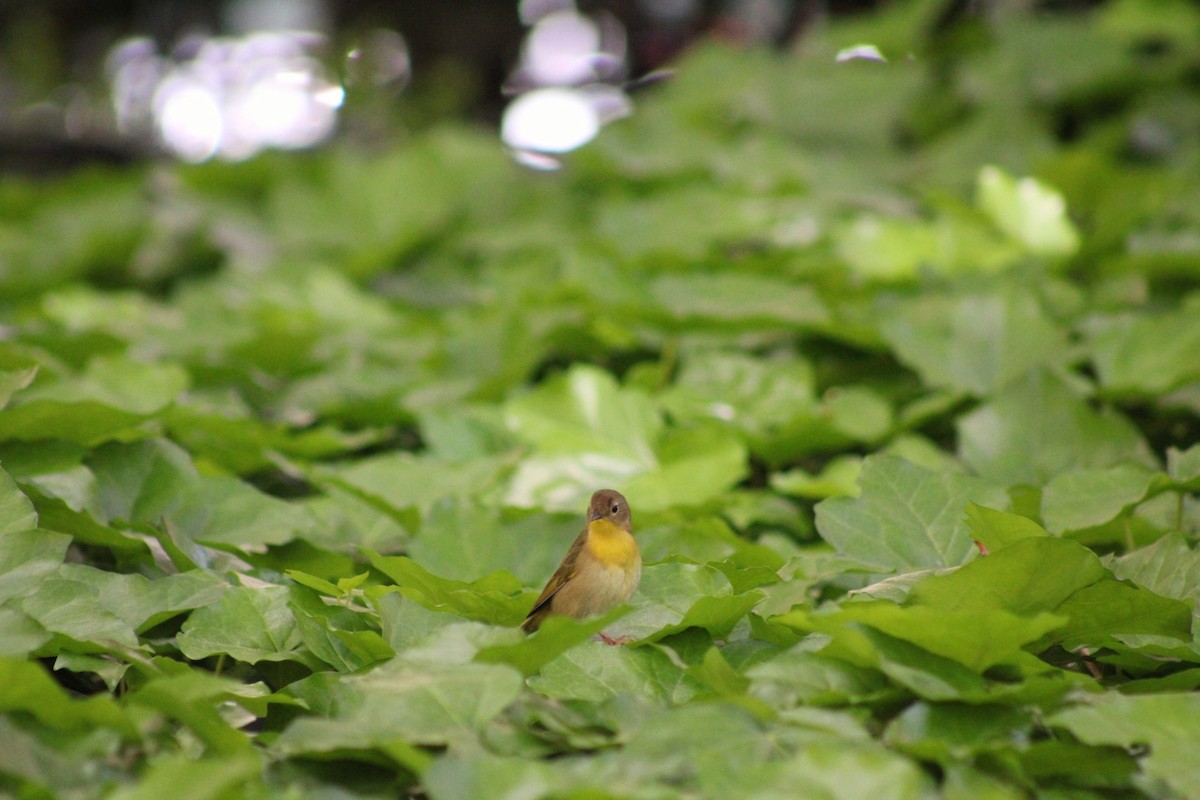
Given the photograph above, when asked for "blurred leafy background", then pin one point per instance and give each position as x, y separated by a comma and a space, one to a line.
897, 361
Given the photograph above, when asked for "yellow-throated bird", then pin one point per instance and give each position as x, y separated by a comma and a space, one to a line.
599, 572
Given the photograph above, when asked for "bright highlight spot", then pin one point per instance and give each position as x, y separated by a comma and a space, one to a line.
230, 98
860, 52
189, 118
549, 121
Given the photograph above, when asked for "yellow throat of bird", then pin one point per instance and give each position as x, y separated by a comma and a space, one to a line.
611, 544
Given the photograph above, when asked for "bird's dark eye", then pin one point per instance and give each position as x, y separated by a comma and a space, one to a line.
615, 509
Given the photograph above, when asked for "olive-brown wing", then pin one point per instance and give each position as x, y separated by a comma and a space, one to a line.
564, 573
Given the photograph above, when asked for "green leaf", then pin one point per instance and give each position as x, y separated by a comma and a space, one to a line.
417, 704
1145, 354
463, 540
112, 396
192, 697
71, 609
837, 478
907, 517
224, 511
1085, 498
143, 603
977, 638
405, 481
588, 433
1103, 613
28, 689
844, 771
798, 677
344, 650
140, 481
16, 512
1038, 427
949, 732
555, 636
1168, 723
743, 299
594, 671
1184, 466
27, 558
1169, 567
996, 530
976, 342
247, 624
1015, 578
191, 779
496, 598
12, 381
673, 597
1028, 211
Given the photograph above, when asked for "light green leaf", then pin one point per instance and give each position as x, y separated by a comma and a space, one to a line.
1028, 211
1168, 723
589, 433
418, 704
16, 512
743, 299
998, 529
143, 603
14, 380
496, 598
71, 609
1184, 466
594, 671
976, 342
556, 635
1168, 567
1107, 611
798, 677
1145, 354
29, 690
250, 625
140, 481
226, 511
463, 540
1015, 578
27, 557
1085, 498
187, 778
837, 478
907, 517
1038, 427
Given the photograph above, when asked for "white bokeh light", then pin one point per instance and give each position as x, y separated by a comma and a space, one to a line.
550, 121
562, 49
189, 117
227, 97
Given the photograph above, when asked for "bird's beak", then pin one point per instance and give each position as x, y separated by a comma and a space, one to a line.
595, 515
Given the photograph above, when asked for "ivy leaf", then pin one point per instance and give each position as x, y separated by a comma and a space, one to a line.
16, 512
247, 624
1038, 427
1029, 211
1085, 498
906, 517
418, 704
1168, 723
589, 433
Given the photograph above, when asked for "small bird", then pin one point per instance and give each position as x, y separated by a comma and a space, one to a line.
599, 572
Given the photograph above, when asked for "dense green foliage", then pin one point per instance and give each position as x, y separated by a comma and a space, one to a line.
898, 365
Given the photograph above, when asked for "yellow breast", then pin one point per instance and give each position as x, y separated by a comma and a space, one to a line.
610, 544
